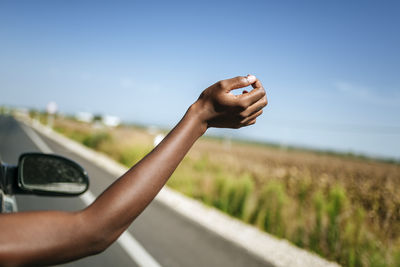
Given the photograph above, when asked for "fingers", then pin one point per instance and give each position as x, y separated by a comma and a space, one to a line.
257, 84
251, 122
250, 114
249, 98
246, 100
237, 82
251, 118
260, 104
233, 111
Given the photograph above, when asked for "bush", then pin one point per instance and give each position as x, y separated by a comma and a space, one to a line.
271, 205
132, 155
242, 188
96, 139
336, 203
316, 235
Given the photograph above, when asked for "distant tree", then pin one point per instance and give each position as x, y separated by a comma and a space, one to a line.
97, 117
33, 113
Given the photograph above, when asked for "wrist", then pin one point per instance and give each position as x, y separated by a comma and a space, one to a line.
196, 114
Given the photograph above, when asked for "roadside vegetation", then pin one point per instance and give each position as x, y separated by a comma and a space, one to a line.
345, 208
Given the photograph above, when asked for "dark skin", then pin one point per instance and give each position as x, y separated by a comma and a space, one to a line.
50, 237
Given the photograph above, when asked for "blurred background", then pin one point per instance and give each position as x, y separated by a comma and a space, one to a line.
326, 150
330, 68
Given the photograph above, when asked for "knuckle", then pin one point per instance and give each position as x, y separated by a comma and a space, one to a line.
243, 114
263, 93
265, 102
219, 84
242, 105
242, 79
223, 84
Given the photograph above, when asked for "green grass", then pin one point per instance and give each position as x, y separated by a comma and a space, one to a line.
336, 231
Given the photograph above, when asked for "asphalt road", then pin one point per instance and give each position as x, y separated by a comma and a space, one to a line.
169, 238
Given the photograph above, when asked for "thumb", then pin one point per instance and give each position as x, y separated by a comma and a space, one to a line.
237, 82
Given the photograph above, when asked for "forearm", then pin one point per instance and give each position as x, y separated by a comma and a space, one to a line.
41, 238
122, 202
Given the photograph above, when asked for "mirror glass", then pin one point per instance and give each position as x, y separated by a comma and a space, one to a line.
50, 173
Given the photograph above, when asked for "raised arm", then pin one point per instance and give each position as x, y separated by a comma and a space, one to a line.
52, 237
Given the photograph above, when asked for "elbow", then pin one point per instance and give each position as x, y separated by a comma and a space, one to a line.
96, 245
96, 242
99, 242
97, 237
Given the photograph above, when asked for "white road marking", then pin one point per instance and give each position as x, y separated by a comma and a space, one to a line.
36, 139
131, 246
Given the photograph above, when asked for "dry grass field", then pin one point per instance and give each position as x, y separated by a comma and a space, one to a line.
345, 208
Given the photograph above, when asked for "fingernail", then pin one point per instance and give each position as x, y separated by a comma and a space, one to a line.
251, 78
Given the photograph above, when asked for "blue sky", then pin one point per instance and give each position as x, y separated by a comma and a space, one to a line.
331, 69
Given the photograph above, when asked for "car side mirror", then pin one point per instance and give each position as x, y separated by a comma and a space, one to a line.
46, 174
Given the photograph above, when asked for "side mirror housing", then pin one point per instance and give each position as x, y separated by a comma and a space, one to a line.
52, 175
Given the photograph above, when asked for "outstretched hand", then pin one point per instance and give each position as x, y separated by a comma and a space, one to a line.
220, 108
